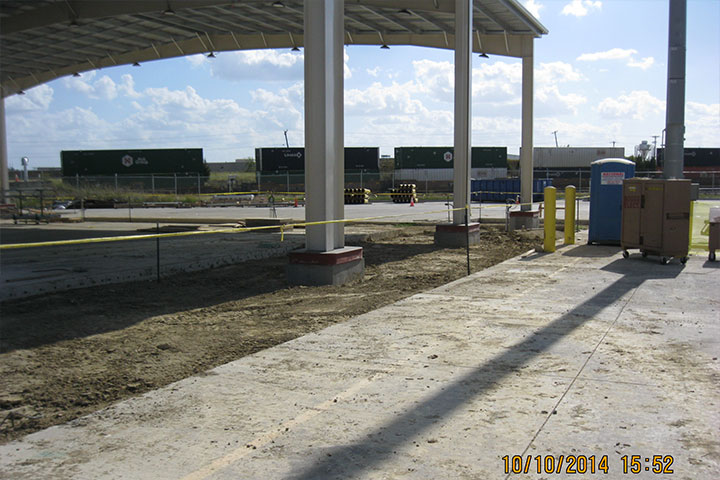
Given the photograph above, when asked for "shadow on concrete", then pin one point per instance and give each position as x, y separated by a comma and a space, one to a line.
352, 459
592, 251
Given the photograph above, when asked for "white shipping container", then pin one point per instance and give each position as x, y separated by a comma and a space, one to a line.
418, 175
573, 157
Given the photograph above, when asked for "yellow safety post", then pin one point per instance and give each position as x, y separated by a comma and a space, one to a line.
569, 215
692, 212
550, 195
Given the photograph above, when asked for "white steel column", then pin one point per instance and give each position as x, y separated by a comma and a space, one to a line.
324, 152
526, 151
4, 181
463, 99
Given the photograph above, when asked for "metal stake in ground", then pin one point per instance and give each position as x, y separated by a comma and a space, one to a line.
157, 250
467, 236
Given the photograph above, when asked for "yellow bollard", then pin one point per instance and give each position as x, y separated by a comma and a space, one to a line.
569, 215
550, 195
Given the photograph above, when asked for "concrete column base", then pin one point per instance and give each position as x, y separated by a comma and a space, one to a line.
524, 220
334, 267
455, 236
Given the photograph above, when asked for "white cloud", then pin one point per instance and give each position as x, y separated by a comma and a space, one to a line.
638, 105
347, 73
627, 54
103, 88
534, 7
198, 60
127, 87
702, 122
396, 99
643, 64
580, 8
267, 65
612, 54
373, 71
556, 72
35, 99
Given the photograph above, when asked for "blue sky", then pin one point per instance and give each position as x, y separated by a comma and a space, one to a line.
600, 76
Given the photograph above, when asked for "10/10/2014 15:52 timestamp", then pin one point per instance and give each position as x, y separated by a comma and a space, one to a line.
587, 464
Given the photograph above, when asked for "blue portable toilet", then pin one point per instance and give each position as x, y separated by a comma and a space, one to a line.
606, 179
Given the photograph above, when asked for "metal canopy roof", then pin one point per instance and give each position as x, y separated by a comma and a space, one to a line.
41, 40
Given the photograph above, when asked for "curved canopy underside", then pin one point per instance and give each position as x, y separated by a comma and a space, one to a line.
41, 40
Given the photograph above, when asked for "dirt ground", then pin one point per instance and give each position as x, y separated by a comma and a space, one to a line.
65, 355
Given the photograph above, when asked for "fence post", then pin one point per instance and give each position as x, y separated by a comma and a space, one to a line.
287, 180
176, 191
569, 215
77, 181
116, 182
198, 176
579, 181
549, 241
152, 181
361, 182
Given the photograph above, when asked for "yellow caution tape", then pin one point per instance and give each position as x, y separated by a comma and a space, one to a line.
122, 238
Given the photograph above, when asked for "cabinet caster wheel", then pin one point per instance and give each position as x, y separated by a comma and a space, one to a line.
684, 260
664, 260
626, 254
644, 254
711, 257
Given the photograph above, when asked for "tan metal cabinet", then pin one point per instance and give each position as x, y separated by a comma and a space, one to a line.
656, 217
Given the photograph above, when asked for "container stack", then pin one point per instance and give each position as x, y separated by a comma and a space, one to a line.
357, 196
404, 193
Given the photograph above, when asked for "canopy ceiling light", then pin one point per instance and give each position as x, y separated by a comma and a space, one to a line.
76, 74
295, 49
135, 64
168, 10
483, 55
211, 55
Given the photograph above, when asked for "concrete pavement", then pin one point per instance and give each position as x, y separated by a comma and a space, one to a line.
395, 212
578, 353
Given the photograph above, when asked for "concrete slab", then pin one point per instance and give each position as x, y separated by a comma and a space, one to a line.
576, 353
392, 212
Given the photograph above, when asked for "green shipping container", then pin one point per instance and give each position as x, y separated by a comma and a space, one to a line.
186, 161
442, 157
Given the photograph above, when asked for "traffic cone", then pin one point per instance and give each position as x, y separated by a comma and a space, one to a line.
412, 200
296, 203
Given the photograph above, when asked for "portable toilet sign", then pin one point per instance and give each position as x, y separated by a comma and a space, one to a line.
606, 180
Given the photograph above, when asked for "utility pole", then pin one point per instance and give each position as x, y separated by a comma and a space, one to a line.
613, 142
655, 137
286, 140
556, 142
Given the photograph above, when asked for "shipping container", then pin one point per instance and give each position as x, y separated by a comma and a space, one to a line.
362, 158
280, 159
268, 160
696, 158
505, 189
442, 157
572, 157
188, 161
446, 174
